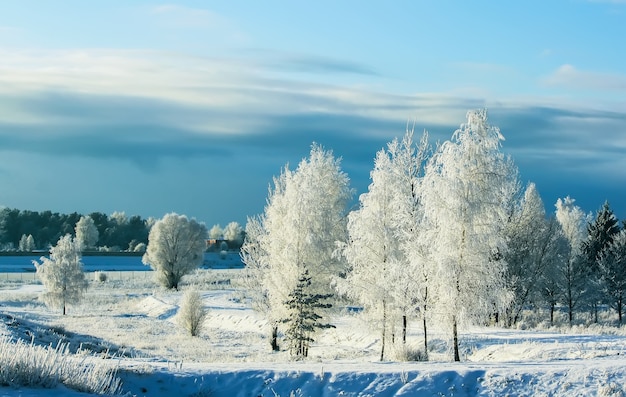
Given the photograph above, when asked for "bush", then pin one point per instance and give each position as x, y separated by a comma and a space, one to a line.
192, 312
100, 276
407, 353
27, 365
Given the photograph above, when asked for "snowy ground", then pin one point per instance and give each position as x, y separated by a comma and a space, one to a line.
131, 323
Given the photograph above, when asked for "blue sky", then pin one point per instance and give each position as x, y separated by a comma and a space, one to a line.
193, 106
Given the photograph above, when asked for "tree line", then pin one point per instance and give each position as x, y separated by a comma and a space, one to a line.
444, 234
24, 230
115, 232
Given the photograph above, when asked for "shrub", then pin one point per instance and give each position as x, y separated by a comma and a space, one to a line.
192, 312
407, 353
100, 276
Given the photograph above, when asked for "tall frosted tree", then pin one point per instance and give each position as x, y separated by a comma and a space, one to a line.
176, 247
532, 248
86, 232
413, 280
384, 277
304, 217
373, 249
573, 223
550, 284
62, 274
465, 193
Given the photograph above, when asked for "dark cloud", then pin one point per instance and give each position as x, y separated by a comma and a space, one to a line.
565, 151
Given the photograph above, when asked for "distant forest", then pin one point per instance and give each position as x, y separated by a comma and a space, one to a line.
116, 232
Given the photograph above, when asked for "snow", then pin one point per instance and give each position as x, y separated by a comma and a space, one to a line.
135, 320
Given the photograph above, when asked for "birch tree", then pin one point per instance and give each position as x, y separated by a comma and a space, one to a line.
304, 217
62, 274
373, 249
465, 189
384, 276
573, 223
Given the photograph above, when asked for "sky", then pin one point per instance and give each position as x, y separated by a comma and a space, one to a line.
193, 106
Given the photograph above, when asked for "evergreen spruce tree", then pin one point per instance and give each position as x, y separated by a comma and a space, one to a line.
612, 264
600, 234
304, 319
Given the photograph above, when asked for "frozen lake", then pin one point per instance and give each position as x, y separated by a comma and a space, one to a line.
24, 263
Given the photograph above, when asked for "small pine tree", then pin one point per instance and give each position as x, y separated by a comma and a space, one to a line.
304, 319
62, 274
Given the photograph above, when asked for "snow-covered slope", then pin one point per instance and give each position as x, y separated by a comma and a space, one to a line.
134, 324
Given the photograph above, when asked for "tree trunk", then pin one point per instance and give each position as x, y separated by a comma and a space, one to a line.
425, 336
455, 339
64, 309
551, 313
382, 349
404, 326
274, 340
570, 306
619, 310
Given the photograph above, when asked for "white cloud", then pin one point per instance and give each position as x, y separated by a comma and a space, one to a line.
568, 76
219, 85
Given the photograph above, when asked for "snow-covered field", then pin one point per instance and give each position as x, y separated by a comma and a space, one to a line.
131, 324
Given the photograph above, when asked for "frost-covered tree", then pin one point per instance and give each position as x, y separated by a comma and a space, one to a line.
62, 274
373, 249
303, 219
233, 232
256, 260
216, 232
465, 193
531, 250
600, 234
176, 247
550, 284
384, 277
30, 243
573, 223
612, 265
413, 290
86, 232
22, 244
119, 217
304, 316
192, 313
27, 243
